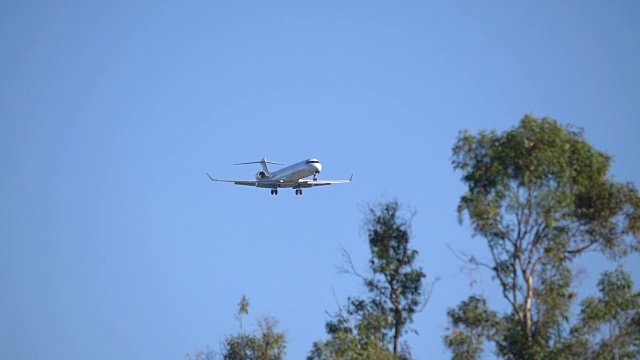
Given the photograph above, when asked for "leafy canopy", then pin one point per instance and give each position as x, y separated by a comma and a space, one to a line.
540, 196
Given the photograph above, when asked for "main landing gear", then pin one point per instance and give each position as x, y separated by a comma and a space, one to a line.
275, 191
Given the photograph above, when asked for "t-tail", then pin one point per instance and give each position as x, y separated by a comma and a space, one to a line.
265, 169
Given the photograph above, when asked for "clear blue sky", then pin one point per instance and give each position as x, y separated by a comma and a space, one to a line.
115, 245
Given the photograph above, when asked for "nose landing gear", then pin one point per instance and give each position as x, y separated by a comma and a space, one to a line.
315, 176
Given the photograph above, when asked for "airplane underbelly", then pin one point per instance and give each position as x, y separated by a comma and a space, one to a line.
295, 176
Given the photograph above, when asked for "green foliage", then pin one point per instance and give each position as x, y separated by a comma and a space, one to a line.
206, 354
345, 343
611, 322
472, 323
539, 195
367, 328
268, 344
553, 179
356, 332
243, 309
243, 306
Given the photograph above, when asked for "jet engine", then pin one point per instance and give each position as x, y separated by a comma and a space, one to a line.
261, 175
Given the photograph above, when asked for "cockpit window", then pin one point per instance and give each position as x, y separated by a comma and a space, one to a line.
313, 162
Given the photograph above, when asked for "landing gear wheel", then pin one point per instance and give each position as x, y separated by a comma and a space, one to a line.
272, 191
275, 191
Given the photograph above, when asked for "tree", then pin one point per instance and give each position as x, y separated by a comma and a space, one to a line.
396, 283
205, 354
267, 345
540, 196
367, 327
347, 345
609, 325
243, 309
356, 332
473, 323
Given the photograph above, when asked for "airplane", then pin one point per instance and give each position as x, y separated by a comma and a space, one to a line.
292, 176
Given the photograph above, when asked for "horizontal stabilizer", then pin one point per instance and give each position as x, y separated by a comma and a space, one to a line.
263, 161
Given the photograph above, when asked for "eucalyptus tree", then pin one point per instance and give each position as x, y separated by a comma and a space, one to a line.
540, 196
372, 327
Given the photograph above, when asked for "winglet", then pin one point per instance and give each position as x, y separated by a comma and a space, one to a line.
351, 178
209, 176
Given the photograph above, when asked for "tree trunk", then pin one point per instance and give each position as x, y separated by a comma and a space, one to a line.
527, 307
397, 331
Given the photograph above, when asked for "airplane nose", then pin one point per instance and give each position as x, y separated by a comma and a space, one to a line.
318, 167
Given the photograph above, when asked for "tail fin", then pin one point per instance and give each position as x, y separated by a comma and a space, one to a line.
262, 162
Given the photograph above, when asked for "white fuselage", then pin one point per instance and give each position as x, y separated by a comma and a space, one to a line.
297, 171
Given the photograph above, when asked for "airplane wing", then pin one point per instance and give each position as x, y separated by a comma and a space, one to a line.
311, 183
282, 183
237, 182
259, 183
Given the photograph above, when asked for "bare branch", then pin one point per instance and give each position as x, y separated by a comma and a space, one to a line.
347, 267
427, 294
469, 259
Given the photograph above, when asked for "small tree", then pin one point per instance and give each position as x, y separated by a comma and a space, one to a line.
267, 345
396, 283
205, 354
243, 309
367, 327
